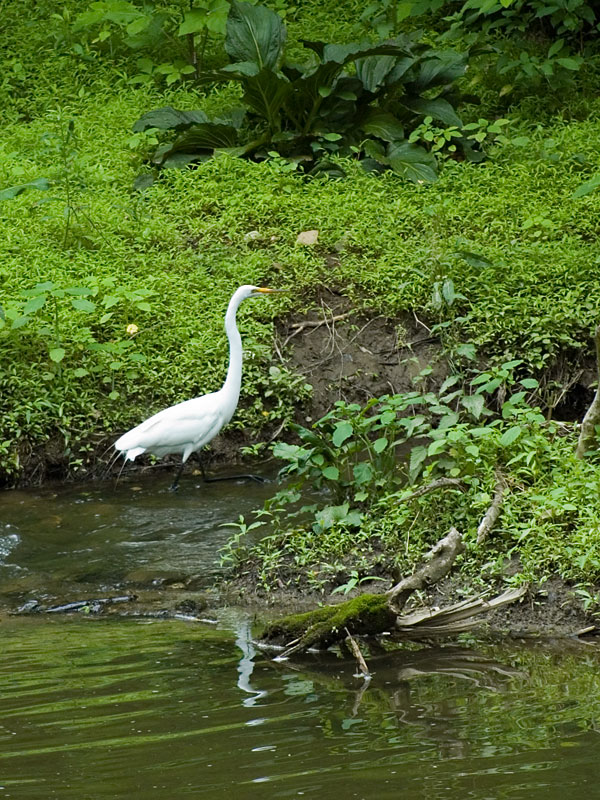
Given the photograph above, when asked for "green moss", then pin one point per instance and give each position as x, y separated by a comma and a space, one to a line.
365, 614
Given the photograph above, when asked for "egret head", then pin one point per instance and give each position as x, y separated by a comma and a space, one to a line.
255, 291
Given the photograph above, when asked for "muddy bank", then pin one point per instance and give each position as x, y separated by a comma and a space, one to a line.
550, 610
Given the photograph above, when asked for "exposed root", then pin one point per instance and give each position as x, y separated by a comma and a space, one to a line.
587, 436
491, 515
437, 565
371, 614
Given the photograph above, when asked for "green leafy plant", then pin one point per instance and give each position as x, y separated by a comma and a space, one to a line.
64, 184
118, 23
354, 581
308, 112
41, 316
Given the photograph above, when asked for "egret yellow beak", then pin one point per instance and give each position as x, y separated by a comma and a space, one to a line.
265, 290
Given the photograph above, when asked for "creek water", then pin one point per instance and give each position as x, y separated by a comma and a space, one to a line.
111, 707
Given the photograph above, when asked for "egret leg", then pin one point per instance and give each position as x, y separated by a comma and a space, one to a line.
175, 485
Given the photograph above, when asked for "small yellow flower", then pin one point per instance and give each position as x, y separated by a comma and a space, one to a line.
132, 329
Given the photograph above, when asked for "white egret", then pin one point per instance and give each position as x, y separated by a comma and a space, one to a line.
186, 427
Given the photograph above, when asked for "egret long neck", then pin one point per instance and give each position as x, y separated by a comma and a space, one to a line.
233, 381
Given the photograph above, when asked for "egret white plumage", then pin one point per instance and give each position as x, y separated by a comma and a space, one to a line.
186, 427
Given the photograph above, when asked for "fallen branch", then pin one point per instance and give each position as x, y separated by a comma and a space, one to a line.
587, 435
316, 323
440, 483
456, 618
491, 515
437, 565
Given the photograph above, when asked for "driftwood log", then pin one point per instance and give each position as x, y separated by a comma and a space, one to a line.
372, 614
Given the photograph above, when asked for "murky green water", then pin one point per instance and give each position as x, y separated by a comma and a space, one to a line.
130, 708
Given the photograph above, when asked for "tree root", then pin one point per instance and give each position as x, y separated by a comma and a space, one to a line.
587, 435
491, 515
437, 565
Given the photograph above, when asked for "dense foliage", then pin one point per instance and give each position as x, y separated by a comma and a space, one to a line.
306, 112
369, 469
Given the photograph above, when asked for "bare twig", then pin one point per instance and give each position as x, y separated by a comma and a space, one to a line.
440, 483
491, 515
362, 664
587, 436
298, 327
438, 563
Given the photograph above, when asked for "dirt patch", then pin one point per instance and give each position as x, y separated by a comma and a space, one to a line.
347, 356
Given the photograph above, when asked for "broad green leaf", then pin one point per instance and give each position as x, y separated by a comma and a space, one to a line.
529, 383
18, 322
266, 93
448, 421
34, 304
373, 70
81, 304
353, 51
443, 67
474, 404
585, 188
383, 125
450, 381
437, 446
142, 182
196, 144
573, 63
57, 354
169, 118
417, 457
363, 473
194, 21
510, 436
41, 184
138, 25
439, 109
343, 431
331, 473
254, 33
80, 372
79, 291
380, 444
412, 162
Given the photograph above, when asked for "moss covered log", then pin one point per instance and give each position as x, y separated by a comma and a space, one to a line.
367, 614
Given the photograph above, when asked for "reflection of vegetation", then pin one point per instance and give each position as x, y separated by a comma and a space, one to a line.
135, 690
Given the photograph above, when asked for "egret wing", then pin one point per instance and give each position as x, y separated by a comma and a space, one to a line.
187, 425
